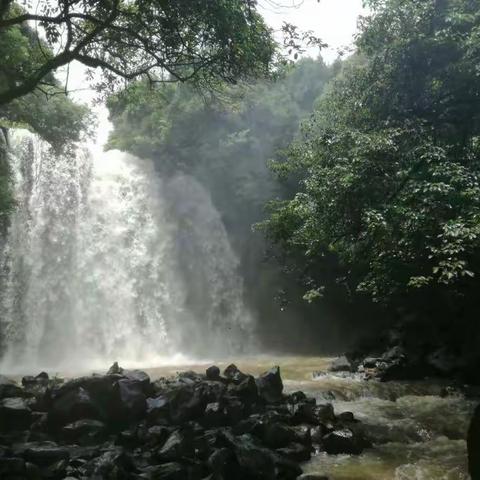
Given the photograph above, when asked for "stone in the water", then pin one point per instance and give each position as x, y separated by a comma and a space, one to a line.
270, 385
213, 373
234, 374
344, 441
296, 452
346, 417
341, 364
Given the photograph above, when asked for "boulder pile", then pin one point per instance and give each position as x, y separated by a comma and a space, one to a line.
194, 426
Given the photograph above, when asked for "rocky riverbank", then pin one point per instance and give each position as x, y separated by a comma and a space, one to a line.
194, 426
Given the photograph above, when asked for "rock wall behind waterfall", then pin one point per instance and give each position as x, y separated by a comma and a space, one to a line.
103, 260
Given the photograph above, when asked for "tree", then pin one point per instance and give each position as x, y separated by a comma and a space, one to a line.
162, 40
390, 163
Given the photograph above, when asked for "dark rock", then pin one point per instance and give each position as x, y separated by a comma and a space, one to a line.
317, 433
115, 369
132, 402
14, 414
270, 385
286, 469
45, 453
221, 462
85, 431
167, 471
370, 362
324, 413
112, 464
346, 417
276, 435
215, 415
139, 376
344, 441
157, 409
296, 452
178, 445
213, 373
304, 413
256, 461
341, 364
157, 435
296, 397
72, 405
13, 466
186, 404
235, 410
56, 470
8, 388
246, 390
234, 374
473, 445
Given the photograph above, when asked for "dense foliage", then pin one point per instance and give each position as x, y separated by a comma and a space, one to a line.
390, 163
160, 40
226, 144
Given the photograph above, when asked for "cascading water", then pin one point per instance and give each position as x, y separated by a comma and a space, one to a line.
104, 261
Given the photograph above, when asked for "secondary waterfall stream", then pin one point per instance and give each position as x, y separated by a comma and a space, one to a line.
105, 260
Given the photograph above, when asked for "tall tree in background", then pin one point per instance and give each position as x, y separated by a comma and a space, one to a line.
390, 164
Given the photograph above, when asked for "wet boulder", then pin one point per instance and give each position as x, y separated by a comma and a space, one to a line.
277, 435
71, 405
255, 461
296, 452
44, 453
167, 471
178, 445
14, 414
187, 403
245, 390
157, 409
13, 467
131, 402
8, 388
112, 464
341, 364
233, 374
222, 463
213, 373
270, 385
345, 440
84, 432
215, 415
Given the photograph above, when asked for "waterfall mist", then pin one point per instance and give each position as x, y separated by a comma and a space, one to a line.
104, 261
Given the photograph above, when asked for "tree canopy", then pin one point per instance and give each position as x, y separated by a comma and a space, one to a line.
390, 161
166, 40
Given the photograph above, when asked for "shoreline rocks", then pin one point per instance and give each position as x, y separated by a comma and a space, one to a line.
194, 426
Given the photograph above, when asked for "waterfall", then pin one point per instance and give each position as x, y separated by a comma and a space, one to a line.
104, 260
